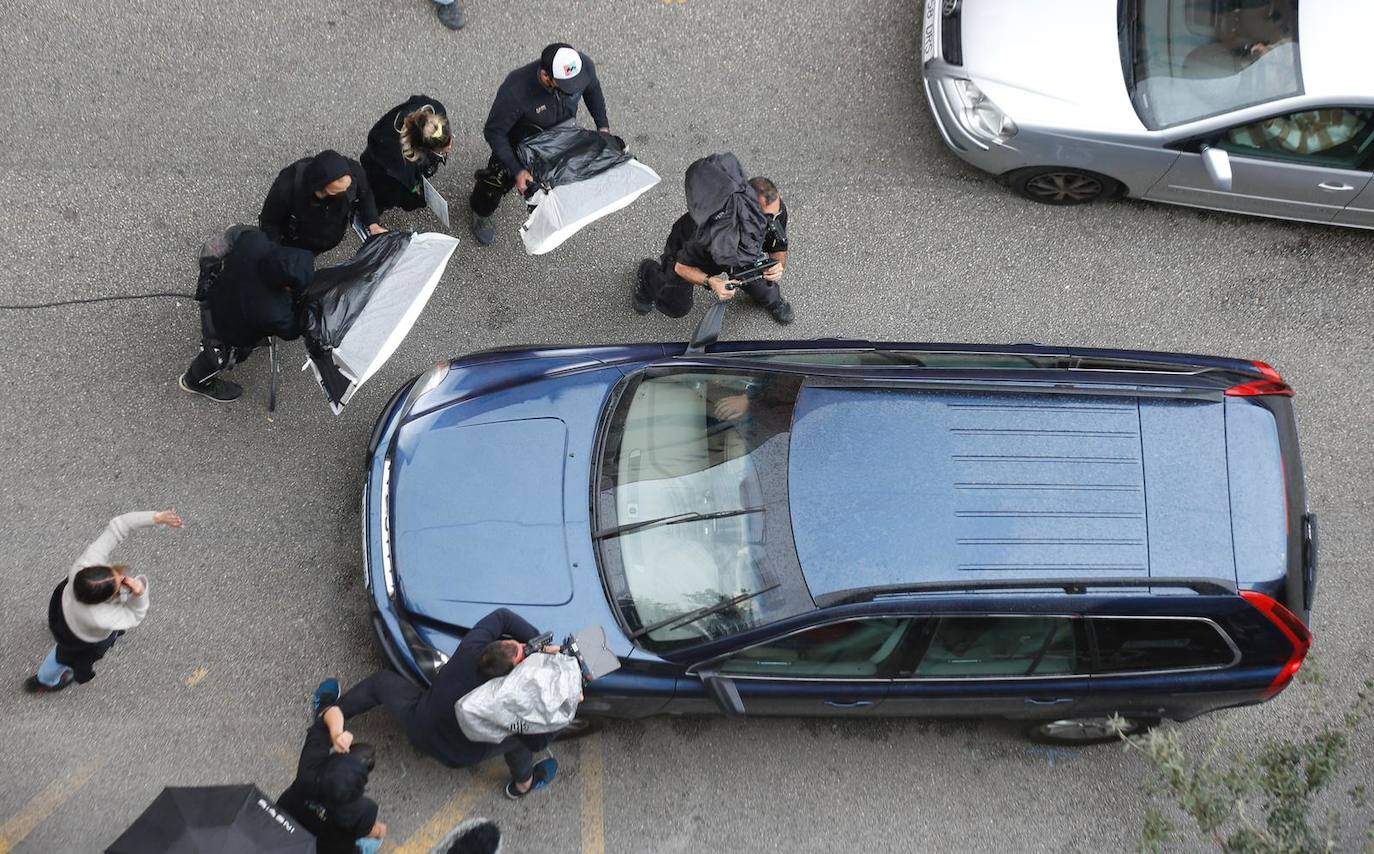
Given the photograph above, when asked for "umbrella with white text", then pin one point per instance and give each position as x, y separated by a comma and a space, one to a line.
213, 820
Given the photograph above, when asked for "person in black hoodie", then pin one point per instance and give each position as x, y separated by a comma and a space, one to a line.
407, 144
313, 201
327, 797
255, 295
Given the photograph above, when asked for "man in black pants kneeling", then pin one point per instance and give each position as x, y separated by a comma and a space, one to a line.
429, 717
687, 263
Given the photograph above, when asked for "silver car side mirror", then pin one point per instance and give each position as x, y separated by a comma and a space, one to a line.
1218, 165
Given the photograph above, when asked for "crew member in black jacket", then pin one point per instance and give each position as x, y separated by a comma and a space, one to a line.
532, 98
407, 144
429, 717
256, 295
313, 201
686, 263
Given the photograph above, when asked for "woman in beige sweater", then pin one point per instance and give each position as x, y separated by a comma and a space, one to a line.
95, 604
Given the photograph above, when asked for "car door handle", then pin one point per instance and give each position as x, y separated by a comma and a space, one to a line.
1056, 701
1335, 188
849, 704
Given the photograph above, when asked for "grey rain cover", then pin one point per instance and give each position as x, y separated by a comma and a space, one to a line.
540, 695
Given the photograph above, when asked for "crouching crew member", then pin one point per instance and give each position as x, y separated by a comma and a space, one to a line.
532, 98
257, 294
667, 284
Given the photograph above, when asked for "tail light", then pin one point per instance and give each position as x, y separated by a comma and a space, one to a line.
1272, 384
1293, 628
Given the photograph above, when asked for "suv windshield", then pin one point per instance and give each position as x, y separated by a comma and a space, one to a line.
1189, 59
691, 509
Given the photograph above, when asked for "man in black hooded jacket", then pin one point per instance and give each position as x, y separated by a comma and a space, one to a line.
313, 201
327, 797
255, 295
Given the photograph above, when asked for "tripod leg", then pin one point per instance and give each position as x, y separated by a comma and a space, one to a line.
274, 371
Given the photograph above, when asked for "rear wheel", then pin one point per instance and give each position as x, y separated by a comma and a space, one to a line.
1059, 186
1078, 732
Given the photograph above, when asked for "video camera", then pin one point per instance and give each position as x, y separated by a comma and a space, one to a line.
751, 272
588, 647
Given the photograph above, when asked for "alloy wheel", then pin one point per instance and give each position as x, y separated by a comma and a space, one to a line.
1065, 188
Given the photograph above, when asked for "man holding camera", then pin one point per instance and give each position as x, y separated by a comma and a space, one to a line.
687, 262
492, 648
532, 98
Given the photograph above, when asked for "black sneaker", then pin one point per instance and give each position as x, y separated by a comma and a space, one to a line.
33, 686
483, 229
643, 303
216, 389
451, 14
782, 312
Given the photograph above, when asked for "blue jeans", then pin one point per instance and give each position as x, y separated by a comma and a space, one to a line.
368, 845
50, 672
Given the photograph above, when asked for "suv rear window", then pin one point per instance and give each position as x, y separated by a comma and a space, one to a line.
1134, 645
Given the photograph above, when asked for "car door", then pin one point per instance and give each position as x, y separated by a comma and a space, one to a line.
1306, 165
839, 668
1172, 667
1009, 666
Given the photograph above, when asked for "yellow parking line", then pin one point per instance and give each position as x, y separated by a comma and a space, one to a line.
44, 804
593, 813
451, 814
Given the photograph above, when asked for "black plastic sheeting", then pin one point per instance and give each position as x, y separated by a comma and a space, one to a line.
566, 154
726, 209
338, 294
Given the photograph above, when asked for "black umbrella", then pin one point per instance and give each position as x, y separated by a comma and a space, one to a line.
213, 820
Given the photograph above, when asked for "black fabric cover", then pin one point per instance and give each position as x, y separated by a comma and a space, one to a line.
730, 222
566, 154
206, 819
256, 292
339, 293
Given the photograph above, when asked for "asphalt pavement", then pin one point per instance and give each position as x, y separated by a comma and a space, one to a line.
136, 128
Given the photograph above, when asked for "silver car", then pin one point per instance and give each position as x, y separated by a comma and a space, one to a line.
1253, 106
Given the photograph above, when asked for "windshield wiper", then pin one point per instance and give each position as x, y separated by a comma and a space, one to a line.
690, 516
700, 613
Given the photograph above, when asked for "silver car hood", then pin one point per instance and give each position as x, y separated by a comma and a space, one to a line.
1053, 65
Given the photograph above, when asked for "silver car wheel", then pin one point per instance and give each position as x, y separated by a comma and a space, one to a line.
1065, 187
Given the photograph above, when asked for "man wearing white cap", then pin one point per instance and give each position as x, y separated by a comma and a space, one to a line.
532, 98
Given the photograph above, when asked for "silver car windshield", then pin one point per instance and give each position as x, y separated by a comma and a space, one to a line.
1186, 60
691, 518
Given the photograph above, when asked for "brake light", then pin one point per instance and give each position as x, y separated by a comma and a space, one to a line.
1293, 628
1273, 384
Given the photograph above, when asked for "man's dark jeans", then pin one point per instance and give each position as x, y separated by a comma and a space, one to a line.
493, 182
399, 695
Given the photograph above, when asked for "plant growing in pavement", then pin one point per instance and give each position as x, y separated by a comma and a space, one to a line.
1240, 797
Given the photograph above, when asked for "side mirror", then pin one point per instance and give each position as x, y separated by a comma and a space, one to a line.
1218, 165
708, 330
723, 691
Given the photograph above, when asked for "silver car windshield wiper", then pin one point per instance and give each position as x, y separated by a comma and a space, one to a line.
690, 516
702, 613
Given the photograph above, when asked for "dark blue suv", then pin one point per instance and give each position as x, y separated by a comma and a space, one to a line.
848, 528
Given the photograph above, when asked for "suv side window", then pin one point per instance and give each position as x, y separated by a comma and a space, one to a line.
1336, 137
1133, 644
981, 647
854, 649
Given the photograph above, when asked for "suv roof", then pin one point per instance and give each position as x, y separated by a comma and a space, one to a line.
899, 486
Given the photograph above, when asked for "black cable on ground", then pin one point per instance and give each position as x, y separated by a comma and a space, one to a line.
89, 300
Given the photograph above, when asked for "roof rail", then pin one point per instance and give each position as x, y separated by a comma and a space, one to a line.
1202, 586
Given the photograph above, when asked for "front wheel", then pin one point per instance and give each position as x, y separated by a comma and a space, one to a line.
1059, 186
1080, 732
